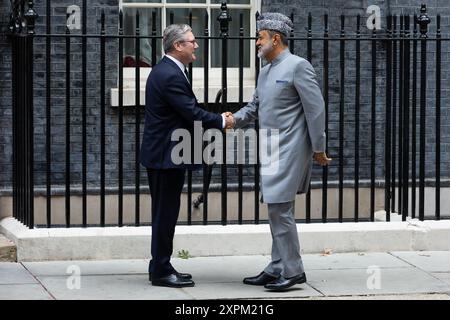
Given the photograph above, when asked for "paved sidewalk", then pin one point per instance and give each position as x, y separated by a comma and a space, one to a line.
392, 275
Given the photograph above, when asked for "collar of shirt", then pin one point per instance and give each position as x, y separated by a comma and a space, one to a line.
178, 63
283, 55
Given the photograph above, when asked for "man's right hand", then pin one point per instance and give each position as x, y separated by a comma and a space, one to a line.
229, 120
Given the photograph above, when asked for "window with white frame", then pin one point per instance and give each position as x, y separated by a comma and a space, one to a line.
178, 11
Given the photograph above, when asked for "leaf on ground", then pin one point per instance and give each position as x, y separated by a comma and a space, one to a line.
327, 252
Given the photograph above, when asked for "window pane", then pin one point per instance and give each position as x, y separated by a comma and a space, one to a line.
186, 1
231, 1
233, 45
198, 27
145, 26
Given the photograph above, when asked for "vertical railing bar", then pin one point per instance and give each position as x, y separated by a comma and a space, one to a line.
19, 127
15, 56
341, 119
401, 116
67, 175
387, 150
23, 127
326, 101
373, 125
120, 131
26, 132
423, 110
84, 114
241, 99
48, 115
309, 57
137, 120
394, 111
406, 121
438, 120
357, 110
17, 97
102, 120
256, 166
189, 171
30, 112
154, 38
224, 177
414, 123
206, 181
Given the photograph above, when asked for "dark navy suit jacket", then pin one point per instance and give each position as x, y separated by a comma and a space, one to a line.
170, 104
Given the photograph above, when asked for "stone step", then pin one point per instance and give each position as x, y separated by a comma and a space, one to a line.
8, 250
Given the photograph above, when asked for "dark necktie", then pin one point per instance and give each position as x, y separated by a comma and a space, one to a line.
186, 73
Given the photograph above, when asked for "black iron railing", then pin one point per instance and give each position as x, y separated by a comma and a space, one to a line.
393, 57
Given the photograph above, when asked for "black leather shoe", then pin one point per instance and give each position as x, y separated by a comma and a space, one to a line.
173, 281
283, 283
185, 276
260, 280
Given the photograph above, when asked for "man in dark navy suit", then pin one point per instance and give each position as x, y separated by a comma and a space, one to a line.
170, 104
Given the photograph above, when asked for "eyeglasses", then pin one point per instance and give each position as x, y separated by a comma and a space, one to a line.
194, 42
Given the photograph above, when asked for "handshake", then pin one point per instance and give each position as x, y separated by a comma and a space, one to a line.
229, 120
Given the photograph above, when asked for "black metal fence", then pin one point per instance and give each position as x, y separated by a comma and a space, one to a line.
404, 76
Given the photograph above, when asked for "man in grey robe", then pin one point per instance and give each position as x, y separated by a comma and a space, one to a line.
287, 99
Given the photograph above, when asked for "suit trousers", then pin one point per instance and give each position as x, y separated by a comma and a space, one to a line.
165, 189
286, 259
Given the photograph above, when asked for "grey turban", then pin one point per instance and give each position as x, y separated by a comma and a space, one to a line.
275, 21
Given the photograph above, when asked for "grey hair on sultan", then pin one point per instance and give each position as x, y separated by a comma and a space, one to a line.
174, 33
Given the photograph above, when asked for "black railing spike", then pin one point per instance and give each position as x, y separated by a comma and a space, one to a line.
31, 17
423, 20
102, 20
224, 19
137, 19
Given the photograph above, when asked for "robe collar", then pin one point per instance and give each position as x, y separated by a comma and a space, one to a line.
283, 55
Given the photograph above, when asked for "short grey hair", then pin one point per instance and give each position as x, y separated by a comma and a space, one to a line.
174, 33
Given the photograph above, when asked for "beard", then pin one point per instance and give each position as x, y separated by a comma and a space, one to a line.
265, 49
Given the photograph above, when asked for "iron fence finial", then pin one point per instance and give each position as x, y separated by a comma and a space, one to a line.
31, 16
224, 19
423, 20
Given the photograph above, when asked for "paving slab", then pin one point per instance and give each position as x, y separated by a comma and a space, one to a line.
110, 287
14, 273
444, 276
234, 290
23, 292
431, 261
101, 267
356, 260
364, 281
221, 269
333, 276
